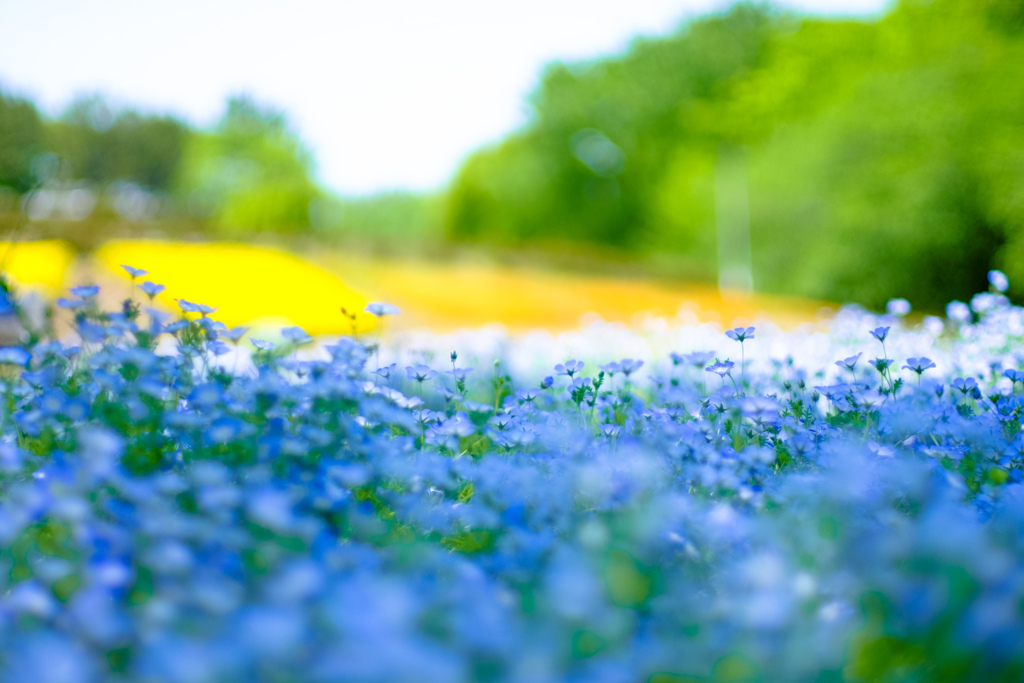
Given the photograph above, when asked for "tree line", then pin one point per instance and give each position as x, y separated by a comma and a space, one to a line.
862, 158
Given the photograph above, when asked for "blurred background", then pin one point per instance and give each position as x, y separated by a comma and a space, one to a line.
525, 165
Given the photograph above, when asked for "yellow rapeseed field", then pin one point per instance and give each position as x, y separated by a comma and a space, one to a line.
268, 288
250, 285
447, 296
43, 265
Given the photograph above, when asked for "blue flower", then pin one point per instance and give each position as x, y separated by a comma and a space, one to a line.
998, 280
721, 368
381, 309
420, 372
189, 307
386, 371
898, 307
631, 365
958, 311
569, 368
85, 291
134, 272
296, 335
965, 386
699, 359
918, 365
235, 333
881, 364
849, 363
223, 430
740, 334
151, 289
460, 373
880, 333
69, 304
14, 355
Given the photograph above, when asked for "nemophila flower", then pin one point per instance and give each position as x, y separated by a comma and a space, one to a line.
91, 332
849, 363
176, 326
699, 359
986, 302
998, 280
898, 307
881, 364
527, 395
14, 355
721, 368
872, 398
85, 291
630, 365
569, 368
578, 382
759, 407
381, 309
135, 272
880, 333
609, 368
69, 304
919, 365
958, 311
6, 305
224, 430
386, 371
740, 334
262, 344
965, 386
266, 507
296, 335
420, 373
189, 307
151, 289
235, 333
460, 373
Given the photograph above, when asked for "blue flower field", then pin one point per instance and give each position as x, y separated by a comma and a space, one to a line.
181, 503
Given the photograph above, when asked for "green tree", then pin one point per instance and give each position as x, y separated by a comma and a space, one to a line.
250, 173
884, 157
101, 145
22, 138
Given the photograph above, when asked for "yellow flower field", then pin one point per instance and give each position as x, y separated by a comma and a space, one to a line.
250, 285
268, 288
446, 296
43, 265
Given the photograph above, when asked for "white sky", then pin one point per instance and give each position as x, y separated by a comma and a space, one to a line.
388, 94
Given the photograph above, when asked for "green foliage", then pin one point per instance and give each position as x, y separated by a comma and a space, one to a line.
891, 147
250, 174
22, 137
101, 146
393, 220
471, 542
587, 169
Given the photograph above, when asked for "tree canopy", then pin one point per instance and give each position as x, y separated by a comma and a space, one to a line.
883, 157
